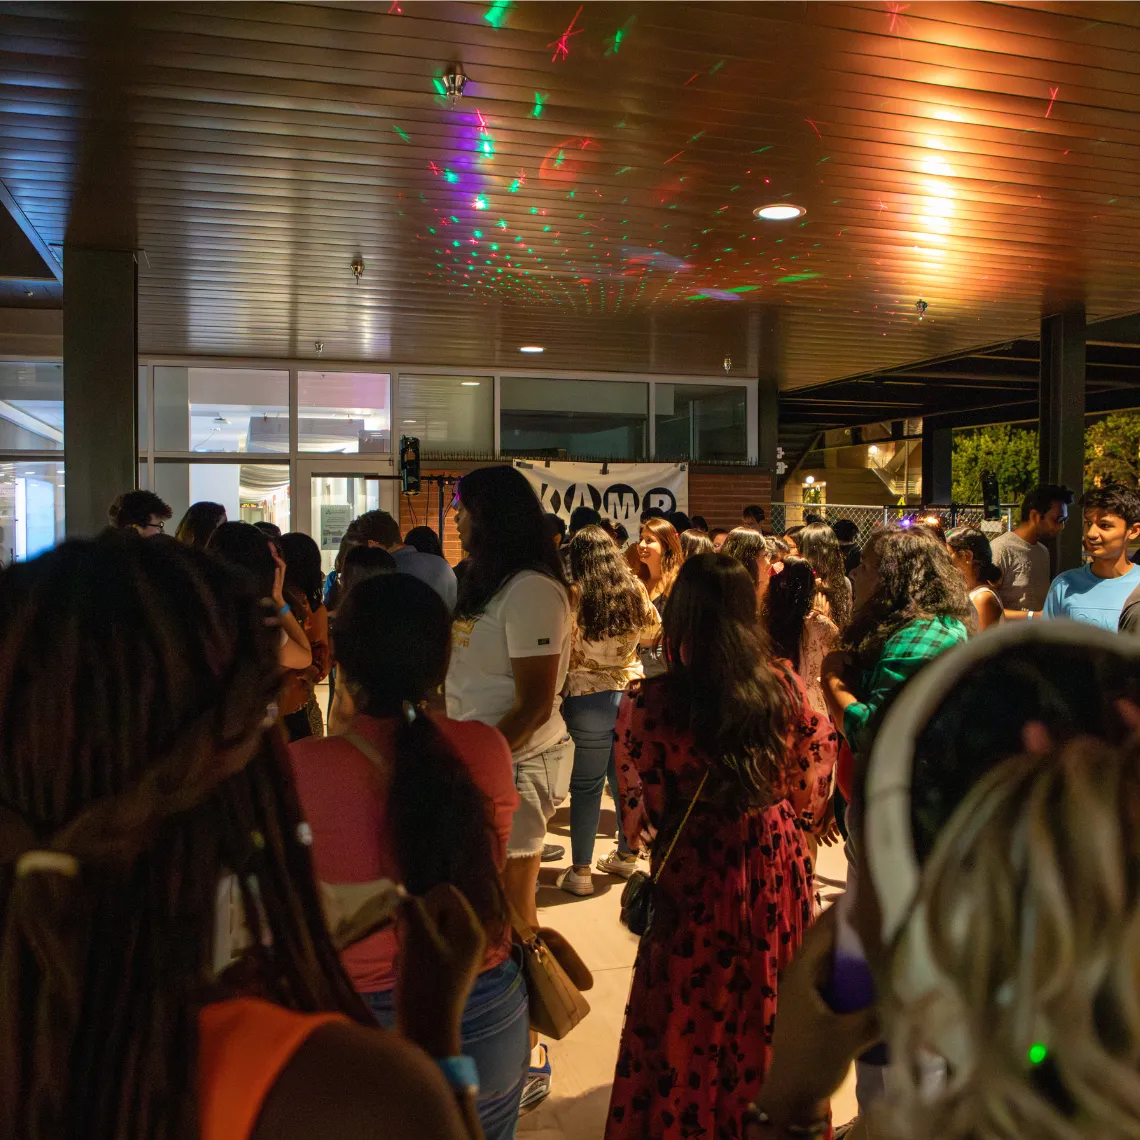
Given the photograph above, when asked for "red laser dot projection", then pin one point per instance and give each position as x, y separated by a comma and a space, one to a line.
669, 160
561, 45
814, 128
395, 10
1053, 91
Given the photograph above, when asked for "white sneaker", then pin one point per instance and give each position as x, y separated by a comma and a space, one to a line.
616, 864
576, 882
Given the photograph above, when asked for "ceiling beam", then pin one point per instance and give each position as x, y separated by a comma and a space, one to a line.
31, 233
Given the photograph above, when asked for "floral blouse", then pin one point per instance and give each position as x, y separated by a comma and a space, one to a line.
609, 664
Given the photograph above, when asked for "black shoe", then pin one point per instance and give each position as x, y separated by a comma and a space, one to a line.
552, 852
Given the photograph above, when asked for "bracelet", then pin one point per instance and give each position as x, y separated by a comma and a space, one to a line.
812, 1131
285, 609
460, 1072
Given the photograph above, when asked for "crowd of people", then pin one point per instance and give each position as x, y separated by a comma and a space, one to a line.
228, 913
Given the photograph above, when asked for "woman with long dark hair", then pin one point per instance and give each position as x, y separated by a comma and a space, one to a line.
199, 522
138, 785
722, 758
244, 546
910, 606
304, 591
659, 562
756, 554
510, 654
819, 545
973, 558
800, 632
695, 542
401, 795
613, 615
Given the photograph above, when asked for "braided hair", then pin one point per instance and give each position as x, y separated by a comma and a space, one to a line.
134, 684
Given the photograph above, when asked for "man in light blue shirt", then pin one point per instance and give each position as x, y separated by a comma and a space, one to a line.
378, 528
1096, 592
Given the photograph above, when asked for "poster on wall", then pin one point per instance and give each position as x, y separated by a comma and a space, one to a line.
335, 518
620, 495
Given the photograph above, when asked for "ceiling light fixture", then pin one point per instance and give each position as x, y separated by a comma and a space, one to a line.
453, 85
779, 212
469, 384
532, 348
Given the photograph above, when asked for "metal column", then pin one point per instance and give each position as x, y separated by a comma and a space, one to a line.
771, 364
1062, 413
937, 464
100, 382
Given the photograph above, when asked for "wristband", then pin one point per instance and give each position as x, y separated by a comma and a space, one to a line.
285, 609
460, 1072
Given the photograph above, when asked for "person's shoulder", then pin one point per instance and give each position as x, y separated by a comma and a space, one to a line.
534, 583
346, 1077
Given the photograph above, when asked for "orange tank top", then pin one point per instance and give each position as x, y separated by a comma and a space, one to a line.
243, 1045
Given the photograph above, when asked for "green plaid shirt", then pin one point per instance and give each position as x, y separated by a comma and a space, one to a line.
905, 652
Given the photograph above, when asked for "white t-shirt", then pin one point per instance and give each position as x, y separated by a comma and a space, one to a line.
529, 617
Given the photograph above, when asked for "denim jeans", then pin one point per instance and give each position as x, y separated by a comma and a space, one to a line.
496, 1034
623, 847
590, 721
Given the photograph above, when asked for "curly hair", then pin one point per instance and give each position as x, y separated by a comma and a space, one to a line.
819, 544
610, 601
1030, 917
916, 581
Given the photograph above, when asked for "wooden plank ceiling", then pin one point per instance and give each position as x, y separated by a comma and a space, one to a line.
593, 190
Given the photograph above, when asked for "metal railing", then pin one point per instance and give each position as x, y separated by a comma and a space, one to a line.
868, 518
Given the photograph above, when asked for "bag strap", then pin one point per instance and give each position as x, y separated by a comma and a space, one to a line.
366, 746
677, 833
527, 933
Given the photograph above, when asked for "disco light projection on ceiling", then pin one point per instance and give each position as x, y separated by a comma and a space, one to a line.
497, 13
562, 44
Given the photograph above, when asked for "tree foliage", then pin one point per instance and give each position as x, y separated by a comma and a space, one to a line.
1007, 452
1112, 450
1112, 455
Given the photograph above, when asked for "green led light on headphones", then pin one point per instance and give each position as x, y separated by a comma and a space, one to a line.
1037, 1053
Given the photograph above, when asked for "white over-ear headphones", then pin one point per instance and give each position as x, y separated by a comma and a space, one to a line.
887, 829
887, 834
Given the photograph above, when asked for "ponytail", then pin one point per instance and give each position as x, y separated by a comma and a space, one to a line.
440, 822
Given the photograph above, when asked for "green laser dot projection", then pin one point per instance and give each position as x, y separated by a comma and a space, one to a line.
497, 13
480, 202
1037, 1053
450, 176
437, 83
539, 101
402, 133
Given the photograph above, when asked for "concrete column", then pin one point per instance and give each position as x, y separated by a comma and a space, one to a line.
100, 382
1062, 415
937, 465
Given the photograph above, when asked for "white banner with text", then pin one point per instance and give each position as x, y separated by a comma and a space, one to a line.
620, 495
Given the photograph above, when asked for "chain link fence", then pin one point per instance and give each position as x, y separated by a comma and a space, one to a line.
868, 518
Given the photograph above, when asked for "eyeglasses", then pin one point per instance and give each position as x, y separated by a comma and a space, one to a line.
159, 526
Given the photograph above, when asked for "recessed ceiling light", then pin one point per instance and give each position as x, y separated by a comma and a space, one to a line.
532, 348
469, 384
779, 212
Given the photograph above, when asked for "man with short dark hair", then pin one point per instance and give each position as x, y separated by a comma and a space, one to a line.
1096, 593
141, 511
555, 527
581, 517
378, 528
1021, 555
847, 531
752, 516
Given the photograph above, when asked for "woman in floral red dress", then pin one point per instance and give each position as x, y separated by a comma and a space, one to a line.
735, 895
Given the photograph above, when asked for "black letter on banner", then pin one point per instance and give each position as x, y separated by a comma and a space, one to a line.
660, 497
620, 501
576, 495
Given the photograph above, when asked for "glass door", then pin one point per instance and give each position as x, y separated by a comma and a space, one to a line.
332, 492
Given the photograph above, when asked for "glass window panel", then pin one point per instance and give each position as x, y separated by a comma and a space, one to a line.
595, 419
31, 509
221, 409
702, 421
250, 492
347, 412
449, 415
143, 419
31, 407
336, 501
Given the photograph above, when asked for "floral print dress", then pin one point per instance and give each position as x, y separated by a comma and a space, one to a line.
702, 1006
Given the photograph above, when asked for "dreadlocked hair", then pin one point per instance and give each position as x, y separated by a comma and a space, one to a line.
134, 684
1028, 931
